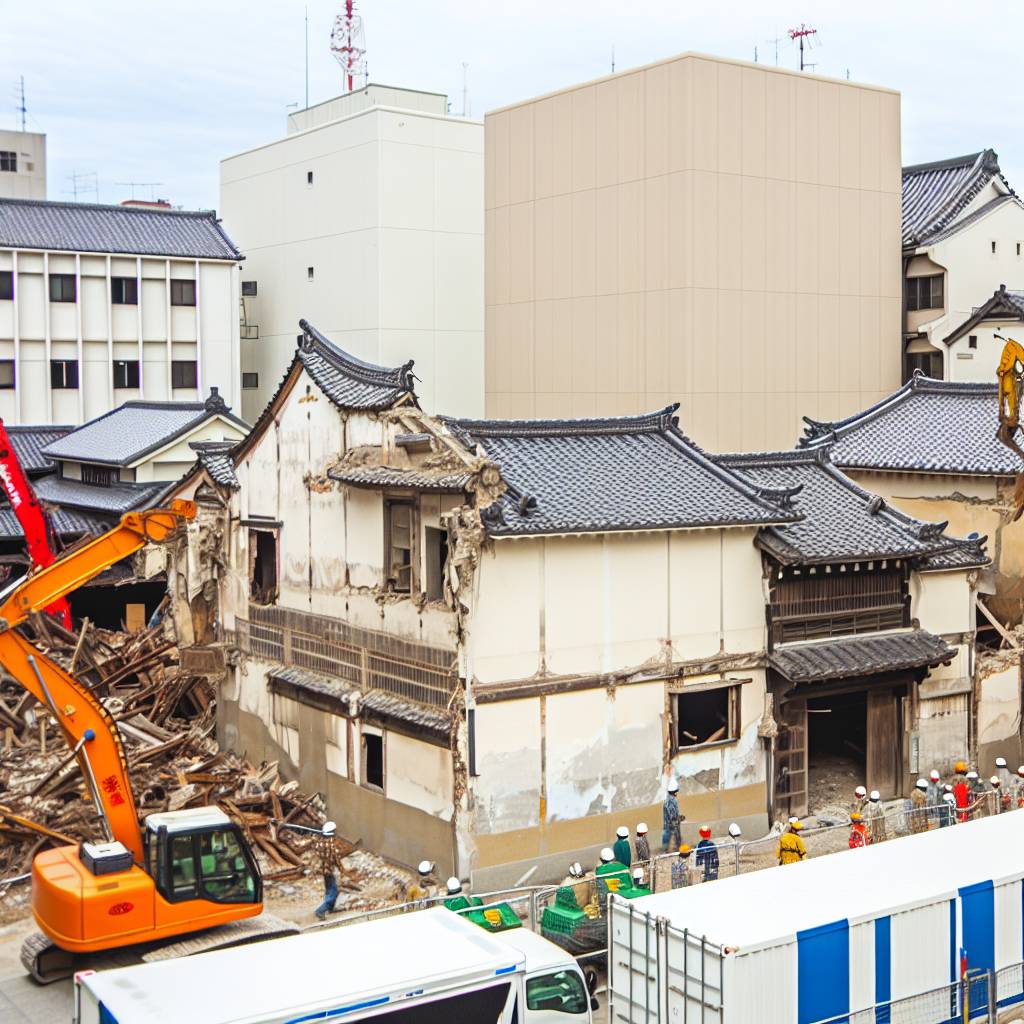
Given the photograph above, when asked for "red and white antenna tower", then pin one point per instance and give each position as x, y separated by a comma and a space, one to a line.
348, 44
802, 33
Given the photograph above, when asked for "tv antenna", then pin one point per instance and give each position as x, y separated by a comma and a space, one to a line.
775, 42
133, 185
21, 108
84, 182
348, 44
800, 34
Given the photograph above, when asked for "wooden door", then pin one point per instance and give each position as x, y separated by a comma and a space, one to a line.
884, 748
791, 760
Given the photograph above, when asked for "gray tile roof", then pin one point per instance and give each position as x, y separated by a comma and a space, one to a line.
114, 500
87, 227
388, 476
841, 521
126, 434
347, 381
215, 458
29, 442
927, 426
66, 523
934, 194
627, 473
860, 656
956, 226
1005, 303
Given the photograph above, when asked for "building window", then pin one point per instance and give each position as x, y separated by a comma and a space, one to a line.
1018, 248
993, 244
929, 363
435, 543
63, 374
183, 293
124, 291
250, 381
126, 373
8, 160
101, 476
309, 273
398, 545
924, 292
707, 716
6, 284
184, 373
263, 566
309, 177
62, 287
248, 287
6, 374
972, 341
373, 761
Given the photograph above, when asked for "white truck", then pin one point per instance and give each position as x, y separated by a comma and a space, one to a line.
428, 967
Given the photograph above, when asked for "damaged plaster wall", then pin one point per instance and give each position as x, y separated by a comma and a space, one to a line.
999, 711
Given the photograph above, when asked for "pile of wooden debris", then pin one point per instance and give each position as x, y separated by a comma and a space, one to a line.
166, 719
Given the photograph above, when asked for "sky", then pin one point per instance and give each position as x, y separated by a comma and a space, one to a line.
159, 93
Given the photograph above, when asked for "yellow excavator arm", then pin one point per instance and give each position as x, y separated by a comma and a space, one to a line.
87, 725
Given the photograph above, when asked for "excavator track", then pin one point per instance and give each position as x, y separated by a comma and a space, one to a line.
46, 962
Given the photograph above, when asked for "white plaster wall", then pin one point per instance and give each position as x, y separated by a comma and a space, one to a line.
942, 602
29, 180
999, 706
979, 364
506, 791
336, 747
418, 774
924, 485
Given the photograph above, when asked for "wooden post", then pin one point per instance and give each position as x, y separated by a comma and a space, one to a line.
8, 737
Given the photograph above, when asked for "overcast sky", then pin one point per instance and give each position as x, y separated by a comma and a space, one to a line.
154, 92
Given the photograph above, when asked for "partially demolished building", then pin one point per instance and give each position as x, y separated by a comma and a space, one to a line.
491, 642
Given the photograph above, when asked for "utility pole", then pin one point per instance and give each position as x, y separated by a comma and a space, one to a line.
801, 33
22, 109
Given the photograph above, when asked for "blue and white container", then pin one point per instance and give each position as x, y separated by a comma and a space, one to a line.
827, 937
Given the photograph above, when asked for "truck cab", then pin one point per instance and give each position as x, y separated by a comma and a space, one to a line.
554, 990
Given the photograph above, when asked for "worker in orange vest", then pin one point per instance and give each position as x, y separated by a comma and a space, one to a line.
858, 832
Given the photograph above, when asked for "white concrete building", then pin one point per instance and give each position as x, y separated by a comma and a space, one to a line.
103, 304
22, 165
368, 219
963, 237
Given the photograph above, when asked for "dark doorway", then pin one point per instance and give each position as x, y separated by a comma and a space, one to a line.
837, 748
263, 566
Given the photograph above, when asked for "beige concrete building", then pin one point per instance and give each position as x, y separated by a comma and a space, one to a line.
22, 165
718, 233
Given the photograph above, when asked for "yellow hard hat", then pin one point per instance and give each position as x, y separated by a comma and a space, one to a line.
795, 826
684, 849
855, 816
960, 766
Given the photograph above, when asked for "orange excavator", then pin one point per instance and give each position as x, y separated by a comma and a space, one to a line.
181, 871
1011, 376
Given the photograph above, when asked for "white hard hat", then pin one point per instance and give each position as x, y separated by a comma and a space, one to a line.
453, 885
735, 831
329, 828
791, 820
622, 832
934, 775
1000, 762
948, 787
576, 869
875, 796
426, 866
638, 874
995, 781
922, 784
1020, 770
641, 829
972, 774
673, 786
606, 855
949, 798
860, 791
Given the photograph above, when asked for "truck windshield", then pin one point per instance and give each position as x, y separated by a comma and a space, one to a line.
561, 991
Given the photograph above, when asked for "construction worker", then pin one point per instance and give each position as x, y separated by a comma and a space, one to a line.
961, 792
934, 788
919, 807
609, 875
1004, 774
621, 849
998, 796
875, 818
707, 854
671, 818
860, 799
640, 887
947, 805
329, 857
1018, 787
858, 831
791, 847
425, 885
454, 897
977, 805
643, 847
681, 868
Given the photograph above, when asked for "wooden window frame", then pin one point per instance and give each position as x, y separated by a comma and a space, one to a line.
390, 578
734, 699
98, 476
936, 284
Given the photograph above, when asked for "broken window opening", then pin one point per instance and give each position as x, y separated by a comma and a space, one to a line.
373, 761
706, 716
263, 566
435, 542
398, 545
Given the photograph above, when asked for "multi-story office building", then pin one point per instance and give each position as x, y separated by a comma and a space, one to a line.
22, 165
366, 218
700, 230
103, 304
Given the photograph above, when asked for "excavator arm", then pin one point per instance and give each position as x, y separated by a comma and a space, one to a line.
1010, 372
87, 725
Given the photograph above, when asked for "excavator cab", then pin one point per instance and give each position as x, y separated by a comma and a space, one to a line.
200, 854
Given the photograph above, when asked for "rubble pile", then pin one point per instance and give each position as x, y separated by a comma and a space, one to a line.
166, 719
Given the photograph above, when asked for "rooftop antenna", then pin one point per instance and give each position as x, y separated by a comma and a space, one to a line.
21, 108
802, 33
133, 185
775, 42
755, 54
84, 182
613, 58
348, 44
465, 89
307, 56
